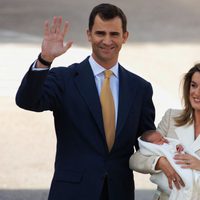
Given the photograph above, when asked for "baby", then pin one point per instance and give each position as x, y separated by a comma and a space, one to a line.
153, 143
155, 137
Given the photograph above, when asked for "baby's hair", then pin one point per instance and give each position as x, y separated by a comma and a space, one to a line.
146, 134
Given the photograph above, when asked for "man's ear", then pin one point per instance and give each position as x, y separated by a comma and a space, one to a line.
125, 36
89, 35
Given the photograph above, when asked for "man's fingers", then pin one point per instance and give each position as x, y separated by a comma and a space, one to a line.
46, 27
58, 24
53, 26
54, 36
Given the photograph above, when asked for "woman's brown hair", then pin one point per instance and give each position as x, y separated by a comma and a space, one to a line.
187, 115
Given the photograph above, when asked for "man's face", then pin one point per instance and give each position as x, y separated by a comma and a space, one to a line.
106, 38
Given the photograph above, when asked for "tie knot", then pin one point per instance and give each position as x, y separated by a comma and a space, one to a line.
107, 73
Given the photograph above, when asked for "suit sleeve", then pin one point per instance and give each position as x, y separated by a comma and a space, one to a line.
148, 111
40, 90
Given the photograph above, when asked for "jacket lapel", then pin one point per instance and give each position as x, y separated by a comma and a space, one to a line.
86, 85
125, 99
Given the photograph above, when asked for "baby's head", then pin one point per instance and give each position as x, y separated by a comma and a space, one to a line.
154, 137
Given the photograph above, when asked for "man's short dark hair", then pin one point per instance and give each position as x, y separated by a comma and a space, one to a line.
106, 12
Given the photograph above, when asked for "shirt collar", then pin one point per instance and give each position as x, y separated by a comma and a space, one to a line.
98, 69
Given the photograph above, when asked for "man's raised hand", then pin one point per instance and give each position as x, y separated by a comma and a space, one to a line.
53, 42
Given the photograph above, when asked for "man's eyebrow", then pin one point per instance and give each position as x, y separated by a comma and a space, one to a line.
114, 33
100, 32
111, 33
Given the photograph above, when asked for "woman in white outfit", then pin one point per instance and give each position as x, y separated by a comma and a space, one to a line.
178, 124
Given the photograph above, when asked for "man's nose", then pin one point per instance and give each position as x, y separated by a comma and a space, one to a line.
107, 40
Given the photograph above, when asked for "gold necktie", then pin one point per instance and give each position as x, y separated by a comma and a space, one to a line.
108, 109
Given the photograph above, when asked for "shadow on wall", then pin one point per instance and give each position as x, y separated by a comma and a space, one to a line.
43, 194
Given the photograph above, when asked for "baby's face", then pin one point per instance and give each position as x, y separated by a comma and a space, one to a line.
157, 138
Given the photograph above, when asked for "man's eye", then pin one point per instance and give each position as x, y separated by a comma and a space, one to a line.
100, 33
115, 34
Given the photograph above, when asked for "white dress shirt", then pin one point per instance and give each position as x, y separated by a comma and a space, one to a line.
98, 72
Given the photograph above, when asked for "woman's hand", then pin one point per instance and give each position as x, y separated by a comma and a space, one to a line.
187, 161
53, 40
164, 165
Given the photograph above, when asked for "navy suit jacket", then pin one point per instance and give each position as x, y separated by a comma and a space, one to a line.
82, 157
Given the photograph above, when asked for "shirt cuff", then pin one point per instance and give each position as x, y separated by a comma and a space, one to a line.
38, 69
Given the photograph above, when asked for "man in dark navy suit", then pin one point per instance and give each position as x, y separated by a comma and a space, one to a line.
87, 166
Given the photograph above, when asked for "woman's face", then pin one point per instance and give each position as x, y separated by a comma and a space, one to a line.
195, 92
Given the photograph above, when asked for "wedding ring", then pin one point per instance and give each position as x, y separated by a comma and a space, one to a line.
187, 163
174, 180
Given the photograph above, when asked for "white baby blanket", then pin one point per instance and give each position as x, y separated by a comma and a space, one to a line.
190, 177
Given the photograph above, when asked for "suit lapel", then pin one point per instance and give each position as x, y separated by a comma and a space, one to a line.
125, 99
86, 85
